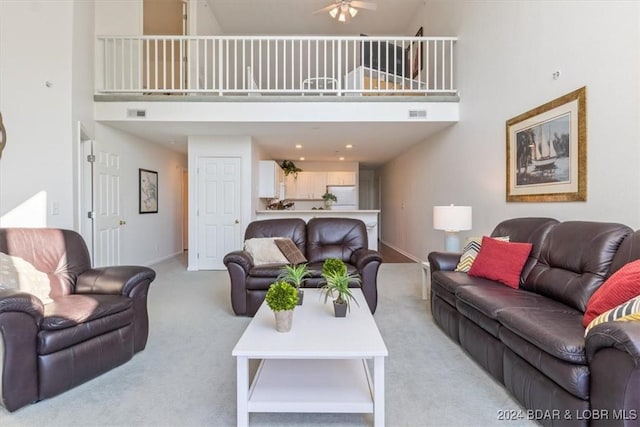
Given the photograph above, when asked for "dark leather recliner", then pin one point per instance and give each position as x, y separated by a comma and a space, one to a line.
96, 321
319, 239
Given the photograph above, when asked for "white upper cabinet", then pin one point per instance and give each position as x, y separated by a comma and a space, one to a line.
270, 177
341, 178
307, 186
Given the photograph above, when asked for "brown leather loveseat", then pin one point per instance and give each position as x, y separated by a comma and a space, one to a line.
86, 322
532, 339
319, 239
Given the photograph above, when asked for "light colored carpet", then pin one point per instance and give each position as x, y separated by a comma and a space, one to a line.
186, 375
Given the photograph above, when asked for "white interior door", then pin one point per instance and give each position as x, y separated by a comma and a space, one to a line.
107, 205
219, 228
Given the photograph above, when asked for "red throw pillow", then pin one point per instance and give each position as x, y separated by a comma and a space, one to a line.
501, 261
620, 287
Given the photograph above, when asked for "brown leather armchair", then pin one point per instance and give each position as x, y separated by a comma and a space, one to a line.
97, 318
319, 239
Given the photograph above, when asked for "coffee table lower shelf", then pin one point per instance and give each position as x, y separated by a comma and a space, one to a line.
311, 385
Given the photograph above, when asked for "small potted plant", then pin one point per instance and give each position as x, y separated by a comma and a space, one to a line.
337, 281
329, 199
290, 168
296, 275
282, 299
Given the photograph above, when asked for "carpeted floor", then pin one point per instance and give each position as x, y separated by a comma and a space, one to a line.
186, 375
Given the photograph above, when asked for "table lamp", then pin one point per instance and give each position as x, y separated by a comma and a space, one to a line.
452, 219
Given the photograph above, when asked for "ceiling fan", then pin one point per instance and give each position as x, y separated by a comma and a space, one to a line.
345, 10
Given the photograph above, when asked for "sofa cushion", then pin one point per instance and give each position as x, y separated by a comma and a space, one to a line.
574, 261
624, 312
501, 261
446, 283
71, 310
481, 304
557, 330
335, 238
264, 250
623, 285
290, 251
470, 252
489, 300
574, 378
61, 254
50, 341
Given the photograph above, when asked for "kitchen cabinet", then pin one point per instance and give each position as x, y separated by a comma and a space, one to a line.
341, 178
270, 176
307, 186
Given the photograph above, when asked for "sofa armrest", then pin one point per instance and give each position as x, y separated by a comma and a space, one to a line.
367, 262
242, 258
615, 344
621, 336
20, 317
238, 263
362, 257
444, 260
18, 301
117, 280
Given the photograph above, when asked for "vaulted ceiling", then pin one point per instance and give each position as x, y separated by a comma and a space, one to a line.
275, 17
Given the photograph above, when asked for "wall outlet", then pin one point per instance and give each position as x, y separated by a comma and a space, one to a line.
55, 208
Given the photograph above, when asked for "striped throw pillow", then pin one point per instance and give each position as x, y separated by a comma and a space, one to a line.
471, 248
625, 312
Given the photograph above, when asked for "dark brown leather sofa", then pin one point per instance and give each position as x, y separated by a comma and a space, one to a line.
319, 239
96, 321
532, 339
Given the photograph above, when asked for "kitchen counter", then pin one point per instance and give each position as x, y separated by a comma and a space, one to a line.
369, 217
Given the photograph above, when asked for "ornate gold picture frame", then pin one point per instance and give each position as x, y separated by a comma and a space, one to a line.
547, 151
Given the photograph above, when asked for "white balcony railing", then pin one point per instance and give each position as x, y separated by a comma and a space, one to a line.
276, 65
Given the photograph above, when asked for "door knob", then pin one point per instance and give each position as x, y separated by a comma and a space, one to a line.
237, 221
123, 222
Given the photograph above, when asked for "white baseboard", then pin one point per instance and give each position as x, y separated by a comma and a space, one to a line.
407, 254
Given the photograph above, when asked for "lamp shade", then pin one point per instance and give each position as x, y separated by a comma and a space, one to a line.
452, 218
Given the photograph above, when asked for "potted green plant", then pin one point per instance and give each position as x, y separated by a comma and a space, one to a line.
296, 275
282, 298
329, 199
337, 281
290, 168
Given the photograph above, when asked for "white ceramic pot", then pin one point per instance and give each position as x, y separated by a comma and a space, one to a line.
284, 319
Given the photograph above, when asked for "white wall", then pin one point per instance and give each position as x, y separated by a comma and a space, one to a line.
147, 238
202, 21
37, 170
82, 76
507, 52
118, 17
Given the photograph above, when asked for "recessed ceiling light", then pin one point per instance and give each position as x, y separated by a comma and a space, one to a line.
298, 145
341, 158
301, 158
349, 146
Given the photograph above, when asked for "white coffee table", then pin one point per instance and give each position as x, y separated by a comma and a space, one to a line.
320, 366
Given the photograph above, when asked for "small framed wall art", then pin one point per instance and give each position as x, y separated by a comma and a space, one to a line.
148, 189
547, 152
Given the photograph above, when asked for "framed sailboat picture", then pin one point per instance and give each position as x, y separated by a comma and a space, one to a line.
547, 152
